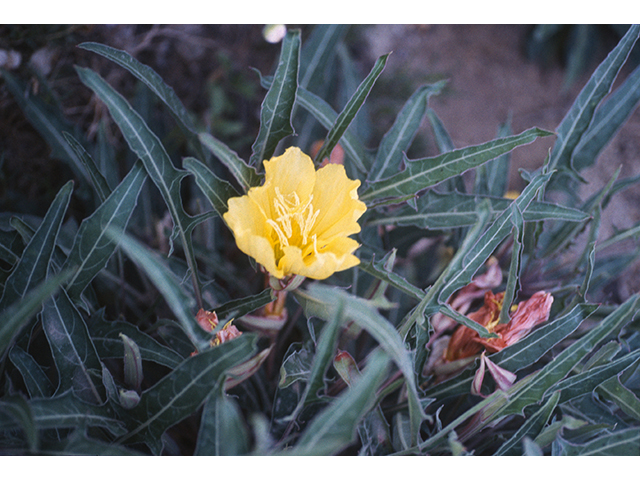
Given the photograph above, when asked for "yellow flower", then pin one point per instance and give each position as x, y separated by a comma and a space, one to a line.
299, 221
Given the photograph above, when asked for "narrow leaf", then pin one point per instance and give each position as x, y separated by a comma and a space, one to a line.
399, 137
36, 381
76, 359
147, 146
530, 428
422, 173
222, 428
436, 210
149, 77
34, 263
246, 176
181, 392
607, 120
335, 428
97, 179
351, 109
275, 113
92, 249
14, 318
579, 117
182, 305
217, 191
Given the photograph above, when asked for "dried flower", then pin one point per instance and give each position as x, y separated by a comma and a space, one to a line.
466, 342
299, 221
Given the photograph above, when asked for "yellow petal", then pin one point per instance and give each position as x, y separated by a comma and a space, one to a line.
335, 196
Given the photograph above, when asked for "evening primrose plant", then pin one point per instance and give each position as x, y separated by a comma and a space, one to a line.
318, 296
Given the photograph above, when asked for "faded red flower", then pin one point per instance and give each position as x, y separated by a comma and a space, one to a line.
466, 342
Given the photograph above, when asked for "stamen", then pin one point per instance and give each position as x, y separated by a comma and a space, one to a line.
290, 208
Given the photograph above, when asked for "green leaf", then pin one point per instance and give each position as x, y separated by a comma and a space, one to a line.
149, 77
607, 120
318, 51
181, 392
351, 109
246, 176
436, 211
217, 191
92, 248
531, 427
33, 265
222, 428
275, 113
585, 382
491, 238
242, 306
442, 137
579, 117
97, 179
66, 411
320, 301
335, 428
399, 137
620, 442
182, 305
75, 356
327, 117
14, 318
422, 173
144, 143
106, 338
378, 270
36, 381
48, 121
616, 392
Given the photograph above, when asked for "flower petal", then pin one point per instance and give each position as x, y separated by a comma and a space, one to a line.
335, 196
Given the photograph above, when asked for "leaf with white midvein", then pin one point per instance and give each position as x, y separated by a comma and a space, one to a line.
99, 182
275, 112
35, 379
422, 173
246, 175
580, 116
181, 392
67, 411
222, 428
350, 110
399, 137
436, 210
15, 317
607, 120
106, 338
491, 238
144, 143
92, 249
33, 265
74, 354
617, 443
335, 428
320, 301
217, 191
182, 305
530, 428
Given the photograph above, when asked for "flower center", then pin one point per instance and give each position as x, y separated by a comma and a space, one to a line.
294, 221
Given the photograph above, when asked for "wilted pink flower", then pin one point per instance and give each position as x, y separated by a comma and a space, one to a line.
466, 342
209, 321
